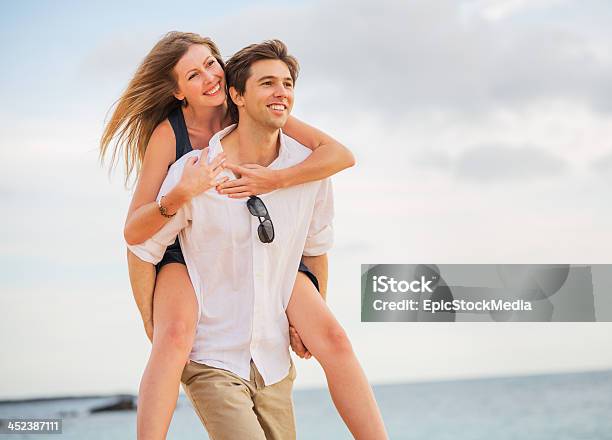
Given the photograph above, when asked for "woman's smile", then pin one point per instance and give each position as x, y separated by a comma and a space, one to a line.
214, 90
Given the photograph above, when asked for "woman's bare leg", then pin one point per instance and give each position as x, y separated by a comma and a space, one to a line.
175, 310
328, 343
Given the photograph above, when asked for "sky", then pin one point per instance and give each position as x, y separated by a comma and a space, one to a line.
482, 132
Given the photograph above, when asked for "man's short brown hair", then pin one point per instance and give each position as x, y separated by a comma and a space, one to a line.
238, 67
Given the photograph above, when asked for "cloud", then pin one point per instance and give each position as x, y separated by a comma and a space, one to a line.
496, 163
502, 9
502, 163
402, 57
603, 165
397, 57
117, 57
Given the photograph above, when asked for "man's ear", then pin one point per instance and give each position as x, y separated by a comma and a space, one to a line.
236, 97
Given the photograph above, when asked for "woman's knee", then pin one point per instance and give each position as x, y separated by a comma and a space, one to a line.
336, 341
174, 335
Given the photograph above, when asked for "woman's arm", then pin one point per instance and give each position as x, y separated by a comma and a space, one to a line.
328, 157
144, 217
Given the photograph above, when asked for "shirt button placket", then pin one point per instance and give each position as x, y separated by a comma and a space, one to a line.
257, 287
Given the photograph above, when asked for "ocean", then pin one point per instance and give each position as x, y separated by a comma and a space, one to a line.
556, 407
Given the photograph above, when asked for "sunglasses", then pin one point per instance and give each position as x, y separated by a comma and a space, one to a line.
258, 209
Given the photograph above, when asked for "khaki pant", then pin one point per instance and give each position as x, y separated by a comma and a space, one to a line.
232, 408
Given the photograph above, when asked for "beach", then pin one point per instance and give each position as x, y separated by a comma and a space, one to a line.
557, 406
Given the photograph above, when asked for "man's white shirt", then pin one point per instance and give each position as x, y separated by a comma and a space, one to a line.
242, 285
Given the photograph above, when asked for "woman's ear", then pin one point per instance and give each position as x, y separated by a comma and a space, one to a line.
236, 97
178, 95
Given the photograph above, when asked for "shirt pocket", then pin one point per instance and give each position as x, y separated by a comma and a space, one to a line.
219, 224
286, 220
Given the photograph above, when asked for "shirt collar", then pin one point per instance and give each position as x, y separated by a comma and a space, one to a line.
215, 147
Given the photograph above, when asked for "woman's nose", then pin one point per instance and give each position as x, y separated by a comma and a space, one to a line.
208, 76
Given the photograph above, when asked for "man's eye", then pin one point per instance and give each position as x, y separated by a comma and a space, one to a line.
267, 83
288, 85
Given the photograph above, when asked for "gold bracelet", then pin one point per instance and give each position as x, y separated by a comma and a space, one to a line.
162, 209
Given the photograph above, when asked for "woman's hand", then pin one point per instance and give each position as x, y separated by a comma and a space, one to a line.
198, 176
254, 179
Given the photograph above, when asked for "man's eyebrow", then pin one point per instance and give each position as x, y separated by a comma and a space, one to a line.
263, 78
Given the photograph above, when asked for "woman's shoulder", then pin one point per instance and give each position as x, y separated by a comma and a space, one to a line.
163, 132
162, 142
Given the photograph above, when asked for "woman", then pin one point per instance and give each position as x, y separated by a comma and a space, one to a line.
175, 102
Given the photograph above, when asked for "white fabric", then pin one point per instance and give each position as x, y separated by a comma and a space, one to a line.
242, 285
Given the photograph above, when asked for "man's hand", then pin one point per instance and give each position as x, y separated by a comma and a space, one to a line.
297, 345
254, 180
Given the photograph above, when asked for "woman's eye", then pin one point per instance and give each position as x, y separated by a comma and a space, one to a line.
267, 83
193, 75
211, 62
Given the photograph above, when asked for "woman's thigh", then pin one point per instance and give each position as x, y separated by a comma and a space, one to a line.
174, 299
313, 320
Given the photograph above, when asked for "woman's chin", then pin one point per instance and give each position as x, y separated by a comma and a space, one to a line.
208, 102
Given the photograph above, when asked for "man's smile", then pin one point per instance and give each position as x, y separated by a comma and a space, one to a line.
277, 108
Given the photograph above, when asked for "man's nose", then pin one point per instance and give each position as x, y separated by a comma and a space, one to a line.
281, 91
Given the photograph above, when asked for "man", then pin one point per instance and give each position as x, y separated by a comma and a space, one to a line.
242, 257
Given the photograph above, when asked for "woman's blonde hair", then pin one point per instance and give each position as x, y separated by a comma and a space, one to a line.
147, 101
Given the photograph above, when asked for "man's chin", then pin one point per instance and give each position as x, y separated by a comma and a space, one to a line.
277, 123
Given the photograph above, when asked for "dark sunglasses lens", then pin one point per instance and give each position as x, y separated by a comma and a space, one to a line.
257, 207
266, 231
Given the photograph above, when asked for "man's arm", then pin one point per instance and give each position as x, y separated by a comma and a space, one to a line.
320, 235
319, 267
142, 279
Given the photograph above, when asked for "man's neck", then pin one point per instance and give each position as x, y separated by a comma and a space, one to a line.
251, 142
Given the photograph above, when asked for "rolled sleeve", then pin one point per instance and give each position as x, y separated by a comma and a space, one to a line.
149, 251
321, 232
152, 250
